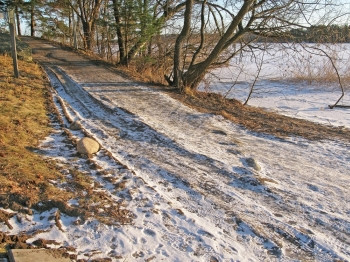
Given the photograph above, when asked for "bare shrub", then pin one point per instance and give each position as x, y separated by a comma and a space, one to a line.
311, 73
148, 69
315, 67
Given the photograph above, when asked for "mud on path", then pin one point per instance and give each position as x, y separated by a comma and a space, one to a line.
200, 187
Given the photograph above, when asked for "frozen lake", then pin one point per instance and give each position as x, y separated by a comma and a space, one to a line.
293, 80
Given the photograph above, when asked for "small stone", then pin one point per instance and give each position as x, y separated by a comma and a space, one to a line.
76, 125
213, 259
88, 146
251, 162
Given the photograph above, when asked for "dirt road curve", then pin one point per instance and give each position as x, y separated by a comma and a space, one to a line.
213, 191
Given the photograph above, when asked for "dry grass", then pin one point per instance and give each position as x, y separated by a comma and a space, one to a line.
24, 122
147, 70
260, 120
24, 175
320, 74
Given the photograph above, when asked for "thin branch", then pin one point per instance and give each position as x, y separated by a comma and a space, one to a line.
215, 20
335, 69
217, 7
194, 57
255, 79
234, 83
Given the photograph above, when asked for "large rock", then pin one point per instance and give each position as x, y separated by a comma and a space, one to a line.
87, 146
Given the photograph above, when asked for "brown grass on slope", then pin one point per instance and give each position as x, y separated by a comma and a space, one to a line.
259, 120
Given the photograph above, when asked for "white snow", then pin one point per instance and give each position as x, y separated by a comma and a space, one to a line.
190, 183
283, 84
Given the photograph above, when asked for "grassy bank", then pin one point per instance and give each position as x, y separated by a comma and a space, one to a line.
23, 50
26, 176
24, 121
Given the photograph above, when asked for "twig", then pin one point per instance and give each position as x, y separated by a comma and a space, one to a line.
256, 78
234, 83
57, 220
336, 71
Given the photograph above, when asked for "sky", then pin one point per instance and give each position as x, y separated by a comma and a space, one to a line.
337, 8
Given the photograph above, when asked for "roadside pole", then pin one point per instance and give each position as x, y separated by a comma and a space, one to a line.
13, 41
75, 44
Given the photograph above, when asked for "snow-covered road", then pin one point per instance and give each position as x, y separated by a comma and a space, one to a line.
202, 188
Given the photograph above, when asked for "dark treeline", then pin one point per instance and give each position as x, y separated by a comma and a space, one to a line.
322, 34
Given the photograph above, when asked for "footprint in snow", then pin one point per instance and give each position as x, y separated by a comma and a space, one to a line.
313, 187
251, 162
219, 132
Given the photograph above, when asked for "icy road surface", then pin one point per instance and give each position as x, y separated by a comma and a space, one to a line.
201, 188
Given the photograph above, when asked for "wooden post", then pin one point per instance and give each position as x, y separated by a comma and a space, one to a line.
75, 43
13, 41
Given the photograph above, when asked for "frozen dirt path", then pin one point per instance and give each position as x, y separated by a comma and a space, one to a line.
237, 195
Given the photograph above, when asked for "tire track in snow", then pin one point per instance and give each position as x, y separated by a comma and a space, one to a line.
178, 183
208, 188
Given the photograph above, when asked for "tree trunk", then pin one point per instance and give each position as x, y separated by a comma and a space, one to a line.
13, 42
149, 47
116, 9
32, 19
132, 52
88, 12
109, 48
75, 26
178, 44
98, 43
103, 42
70, 29
195, 73
88, 35
18, 22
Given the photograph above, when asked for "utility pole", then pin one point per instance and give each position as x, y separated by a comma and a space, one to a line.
13, 41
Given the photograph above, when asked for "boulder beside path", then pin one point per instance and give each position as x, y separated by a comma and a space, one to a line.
88, 146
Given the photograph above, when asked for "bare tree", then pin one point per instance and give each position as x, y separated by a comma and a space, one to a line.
118, 24
179, 41
231, 22
88, 12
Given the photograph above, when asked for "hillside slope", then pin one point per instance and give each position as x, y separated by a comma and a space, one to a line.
184, 185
